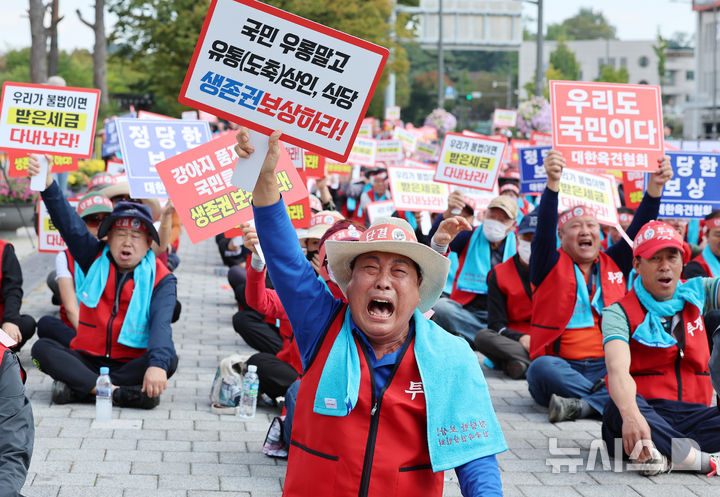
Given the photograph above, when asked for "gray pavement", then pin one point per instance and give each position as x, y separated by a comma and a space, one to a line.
181, 449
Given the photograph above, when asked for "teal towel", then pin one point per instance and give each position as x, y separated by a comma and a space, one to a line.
461, 423
651, 331
712, 261
90, 287
473, 274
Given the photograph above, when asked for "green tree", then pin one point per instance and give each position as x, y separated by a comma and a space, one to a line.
609, 74
563, 60
585, 25
659, 49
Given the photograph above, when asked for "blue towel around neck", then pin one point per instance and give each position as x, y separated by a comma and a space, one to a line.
582, 316
651, 331
711, 261
461, 422
473, 274
90, 287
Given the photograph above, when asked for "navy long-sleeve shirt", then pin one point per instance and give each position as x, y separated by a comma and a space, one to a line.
544, 254
311, 307
84, 248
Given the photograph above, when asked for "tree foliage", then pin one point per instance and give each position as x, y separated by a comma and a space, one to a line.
608, 74
659, 49
585, 25
564, 63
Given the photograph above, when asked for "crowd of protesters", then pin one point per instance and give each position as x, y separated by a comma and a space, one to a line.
353, 319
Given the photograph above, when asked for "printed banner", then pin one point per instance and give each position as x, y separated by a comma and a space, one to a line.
145, 143
413, 189
332, 167
271, 69
198, 182
504, 118
533, 177
53, 120
314, 165
469, 161
389, 151
363, 152
49, 239
538, 139
376, 210
633, 188
607, 125
694, 190
593, 190
19, 164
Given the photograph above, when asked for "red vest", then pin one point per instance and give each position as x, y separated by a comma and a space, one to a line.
289, 352
4, 349
703, 263
460, 296
378, 455
553, 302
71, 268
517, 300
99, 328
2, 252
679, 372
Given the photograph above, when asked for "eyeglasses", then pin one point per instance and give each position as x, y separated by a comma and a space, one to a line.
94, 219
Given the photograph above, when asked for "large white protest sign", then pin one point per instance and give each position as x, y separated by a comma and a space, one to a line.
270, 69
49, 239
596, 191
363, 152
469, 161
413, 189
382, 208
53, 120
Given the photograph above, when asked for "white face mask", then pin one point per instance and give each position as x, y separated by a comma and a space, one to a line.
524, 250
494, 230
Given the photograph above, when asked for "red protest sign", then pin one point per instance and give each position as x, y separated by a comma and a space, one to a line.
269, 69
300, 213
314, 165
633, 188
607, 125
198, 182
538, 139
19, 164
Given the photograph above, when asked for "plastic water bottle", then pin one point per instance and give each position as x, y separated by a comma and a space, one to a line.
103, 396
248, 401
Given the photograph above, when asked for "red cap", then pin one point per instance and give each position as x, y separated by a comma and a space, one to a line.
655, 236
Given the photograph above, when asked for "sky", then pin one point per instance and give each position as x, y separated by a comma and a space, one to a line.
634, 19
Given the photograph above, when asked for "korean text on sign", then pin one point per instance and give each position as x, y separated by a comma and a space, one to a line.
607, 125
145, 143
48, 119
363, 152
389, 151
469, 161
694, 190
19, 164
593, 190
382, 208
532, 171
49, 239
413, 189
198, 182
274, 70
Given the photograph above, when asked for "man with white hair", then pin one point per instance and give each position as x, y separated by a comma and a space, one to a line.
381, 410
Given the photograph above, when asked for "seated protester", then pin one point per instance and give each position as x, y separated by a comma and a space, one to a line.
479, 250
93, 208
20, 327
377, 381
17, 429
625, 217
507, 340
127, 298
571, 286
657, 361
231, 254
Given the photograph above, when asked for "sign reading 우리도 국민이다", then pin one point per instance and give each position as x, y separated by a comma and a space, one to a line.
269, 69
607, 125
469, 161
44, 119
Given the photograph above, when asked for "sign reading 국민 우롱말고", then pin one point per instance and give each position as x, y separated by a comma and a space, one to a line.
271, 69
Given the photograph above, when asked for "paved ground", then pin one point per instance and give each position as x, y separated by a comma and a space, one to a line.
180, 449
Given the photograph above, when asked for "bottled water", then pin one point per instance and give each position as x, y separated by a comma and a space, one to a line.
248, 401
103, 396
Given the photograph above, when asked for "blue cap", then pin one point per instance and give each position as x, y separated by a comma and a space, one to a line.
104, 370
140, 212
528, 223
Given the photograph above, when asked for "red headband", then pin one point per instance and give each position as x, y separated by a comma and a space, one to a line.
131, 223
624, 217
387, 233
712, 223
577, 211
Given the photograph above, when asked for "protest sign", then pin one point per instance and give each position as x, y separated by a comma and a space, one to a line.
206, 116
469, 161
382, 208
426, 151
694, 190
389, 151
633, 188
145, 115
300, 213
49, 239
515, 146
111, 142
365, 130
477, 199
314, 165
504, 118
607, 125
54, 120
198, 182
115, 167
532, 172
417, 163
332, 167
392, 113
538, 139
144, 143
190, 115
413, 189
297, 155
363, 152
270, 69
592, 190
408, 140
18, 163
